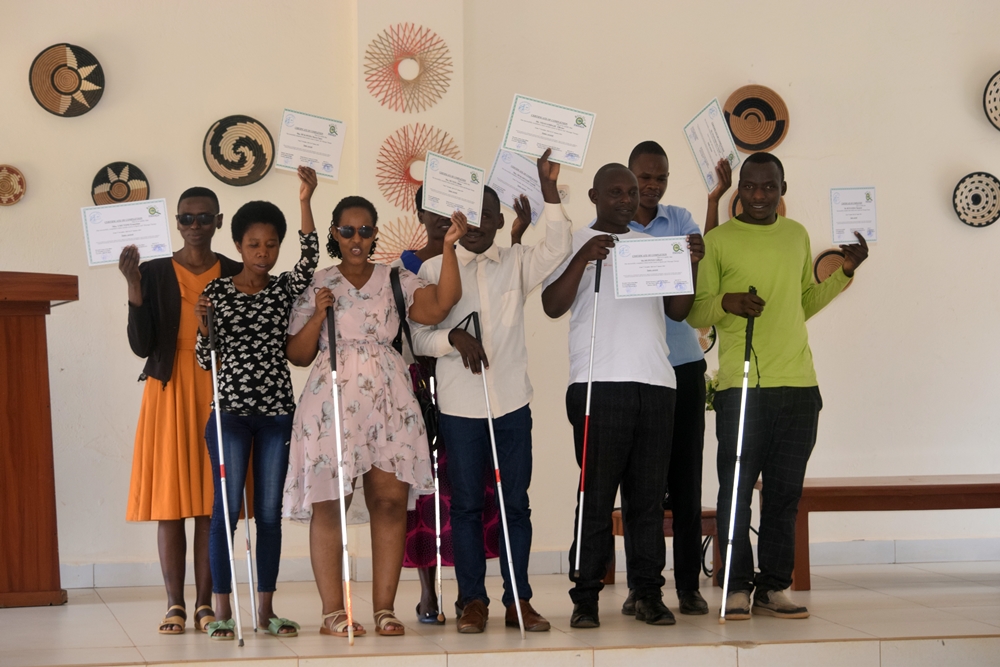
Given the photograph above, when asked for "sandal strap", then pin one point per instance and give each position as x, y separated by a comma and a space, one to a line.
275, 624
384, 617
337, 627
204, 606
215, 626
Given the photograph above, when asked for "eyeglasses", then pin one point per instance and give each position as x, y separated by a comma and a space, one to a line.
365, 231
203, 219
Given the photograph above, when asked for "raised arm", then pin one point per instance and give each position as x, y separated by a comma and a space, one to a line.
559, 296
522, 207
541, 259
432, 304
141, 333
303, 271
307, 185
725, 174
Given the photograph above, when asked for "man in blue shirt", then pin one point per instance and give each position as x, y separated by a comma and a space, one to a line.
648, 162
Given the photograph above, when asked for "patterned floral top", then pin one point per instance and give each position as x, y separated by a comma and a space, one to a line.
250, 332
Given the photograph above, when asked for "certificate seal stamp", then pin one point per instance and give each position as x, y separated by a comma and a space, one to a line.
399, 166
12, 185
506, 157
977, 199
119, 182
757, 117
238, 150
290, 120
66, 80
408, 68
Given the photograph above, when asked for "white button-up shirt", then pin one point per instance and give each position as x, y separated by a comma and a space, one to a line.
496, 284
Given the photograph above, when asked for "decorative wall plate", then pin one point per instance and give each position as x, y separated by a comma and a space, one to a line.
826, 263
991, 100
757, 117
404, 233
735, 207
119, 182
66, 80
706, 338
238, 150
977, 199
408, 68
407, 145
12, 185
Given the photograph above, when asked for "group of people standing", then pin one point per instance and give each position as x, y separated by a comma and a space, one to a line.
646, 427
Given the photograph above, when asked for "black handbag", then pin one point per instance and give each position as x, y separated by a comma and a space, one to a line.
420, 371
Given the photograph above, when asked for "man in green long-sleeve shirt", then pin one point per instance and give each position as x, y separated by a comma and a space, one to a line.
771, 253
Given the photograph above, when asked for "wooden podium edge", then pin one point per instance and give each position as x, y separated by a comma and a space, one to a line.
32, 598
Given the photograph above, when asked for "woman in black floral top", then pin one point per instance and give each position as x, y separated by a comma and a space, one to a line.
255, 392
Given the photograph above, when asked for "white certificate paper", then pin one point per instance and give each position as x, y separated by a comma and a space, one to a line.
535, 125
450, 185
710, 140
513, 175
312, 141
652, 267
108, 229
853, 210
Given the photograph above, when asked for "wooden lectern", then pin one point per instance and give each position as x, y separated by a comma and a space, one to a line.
29, 545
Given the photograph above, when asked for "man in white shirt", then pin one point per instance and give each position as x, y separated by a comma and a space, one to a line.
495, 283
633, 395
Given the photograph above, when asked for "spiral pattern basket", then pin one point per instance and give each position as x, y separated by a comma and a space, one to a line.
408, 42
66, 80
826, 263
991, 100
12, 185
404, 233
399, 151
238, 150
757, 117
119, 182
977, 199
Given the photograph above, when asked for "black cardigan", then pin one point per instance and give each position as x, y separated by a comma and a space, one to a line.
153, 326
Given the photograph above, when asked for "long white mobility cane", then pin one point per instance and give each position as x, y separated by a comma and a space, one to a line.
346, 569
222, 472
496, 473
736, 472
246, 527
437, 516
586, 423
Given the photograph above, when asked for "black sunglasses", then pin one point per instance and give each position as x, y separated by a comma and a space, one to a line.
365, 231
203, 219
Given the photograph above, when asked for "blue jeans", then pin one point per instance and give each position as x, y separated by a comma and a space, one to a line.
469, 460
268, 439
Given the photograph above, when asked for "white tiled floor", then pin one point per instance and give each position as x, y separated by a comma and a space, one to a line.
862, 615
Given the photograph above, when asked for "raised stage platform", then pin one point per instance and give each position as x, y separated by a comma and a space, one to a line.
862, 616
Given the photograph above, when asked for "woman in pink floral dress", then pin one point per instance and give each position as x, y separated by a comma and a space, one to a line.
383, 436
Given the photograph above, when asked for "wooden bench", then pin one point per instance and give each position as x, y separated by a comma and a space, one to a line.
707, 528
880, 494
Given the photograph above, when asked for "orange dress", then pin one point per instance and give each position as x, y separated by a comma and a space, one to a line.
171, 472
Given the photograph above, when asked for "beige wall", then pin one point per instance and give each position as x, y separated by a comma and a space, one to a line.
876, 95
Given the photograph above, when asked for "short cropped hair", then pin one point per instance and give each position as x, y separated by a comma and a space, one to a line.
419, 200
764, 158
254, 212
353, 201
646, 148
609, 167
196, 191
487, 190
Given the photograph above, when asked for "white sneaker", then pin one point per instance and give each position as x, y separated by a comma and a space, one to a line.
738, 606
777, 604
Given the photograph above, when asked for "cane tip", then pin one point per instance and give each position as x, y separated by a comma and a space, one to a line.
241, 642
722, 621
440, 618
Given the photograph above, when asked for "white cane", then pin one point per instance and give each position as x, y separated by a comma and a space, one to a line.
496, 474
736, 472
246, 528
346, 569
586, 423
437, 517
222, 471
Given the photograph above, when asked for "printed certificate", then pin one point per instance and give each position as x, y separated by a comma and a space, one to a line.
513, 175
710, 140
450, 185
312, 141
108, 229
853, 210
652, 267
535, 125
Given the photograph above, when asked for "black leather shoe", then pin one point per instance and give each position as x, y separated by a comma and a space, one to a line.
692, 603
585, 615
628, 608
653, 612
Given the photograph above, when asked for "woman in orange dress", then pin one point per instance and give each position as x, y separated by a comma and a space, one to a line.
171, 473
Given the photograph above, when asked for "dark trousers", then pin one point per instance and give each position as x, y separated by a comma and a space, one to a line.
469, 461
628, 446
684, 477
778, 436
267, 438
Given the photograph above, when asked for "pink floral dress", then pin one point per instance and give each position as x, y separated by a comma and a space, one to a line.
380, 418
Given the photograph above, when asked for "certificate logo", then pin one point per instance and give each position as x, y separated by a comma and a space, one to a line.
290, 120
333, 130
836, 197
624, 251
506, 157
677, 248
524, 107
433, 165
152, 210
868, 197
474, 178
713, 112
579, 122
327, 167
94, 216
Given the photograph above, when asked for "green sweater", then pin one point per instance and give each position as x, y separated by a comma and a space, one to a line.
777, 260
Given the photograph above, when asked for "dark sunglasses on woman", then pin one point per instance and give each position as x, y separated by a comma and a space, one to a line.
365, 231
203, 219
